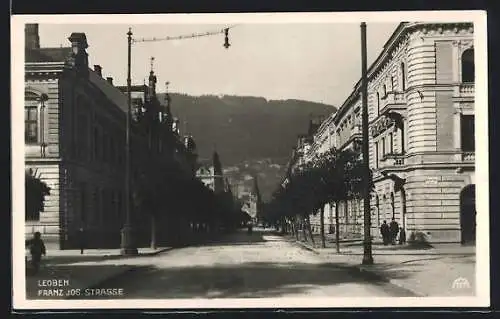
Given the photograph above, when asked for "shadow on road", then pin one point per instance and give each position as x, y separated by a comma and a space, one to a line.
254, 279
239, 237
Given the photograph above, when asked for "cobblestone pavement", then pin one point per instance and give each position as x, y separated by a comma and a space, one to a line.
241, 266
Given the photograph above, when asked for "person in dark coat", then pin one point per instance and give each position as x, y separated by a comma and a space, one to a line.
402, 236
394, 230
37, 249
384, 230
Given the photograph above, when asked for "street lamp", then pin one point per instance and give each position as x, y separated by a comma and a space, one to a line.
127, 245
367, 244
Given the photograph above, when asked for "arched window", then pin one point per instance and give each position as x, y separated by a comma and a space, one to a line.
403, 77
468, 65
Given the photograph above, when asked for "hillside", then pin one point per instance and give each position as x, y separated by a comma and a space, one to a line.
244, 128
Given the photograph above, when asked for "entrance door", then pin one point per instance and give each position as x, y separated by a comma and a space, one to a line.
468, 215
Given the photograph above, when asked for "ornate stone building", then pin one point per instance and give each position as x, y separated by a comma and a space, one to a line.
421, 133
75, 123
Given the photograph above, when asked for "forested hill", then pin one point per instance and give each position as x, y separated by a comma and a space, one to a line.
244, 128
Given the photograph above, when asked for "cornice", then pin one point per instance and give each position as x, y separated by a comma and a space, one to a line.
391, 47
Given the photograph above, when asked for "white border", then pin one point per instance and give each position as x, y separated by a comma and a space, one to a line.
482, 175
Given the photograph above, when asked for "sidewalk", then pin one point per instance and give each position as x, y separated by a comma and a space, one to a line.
62, 265
441, 271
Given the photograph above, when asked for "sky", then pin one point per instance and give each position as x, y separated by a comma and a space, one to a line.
319, 62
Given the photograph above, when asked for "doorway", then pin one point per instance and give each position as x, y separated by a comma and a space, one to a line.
468, 215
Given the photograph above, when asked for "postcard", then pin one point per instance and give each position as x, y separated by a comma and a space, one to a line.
281, 160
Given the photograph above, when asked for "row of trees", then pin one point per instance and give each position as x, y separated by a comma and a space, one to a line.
167, 191
329, 178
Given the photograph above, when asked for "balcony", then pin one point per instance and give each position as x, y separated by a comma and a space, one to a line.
393, 101
464, 91
392, 160
356, 130
468, 156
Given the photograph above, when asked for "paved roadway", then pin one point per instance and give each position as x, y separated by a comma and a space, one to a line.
241, 265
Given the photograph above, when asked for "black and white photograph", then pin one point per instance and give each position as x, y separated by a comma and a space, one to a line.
250, 160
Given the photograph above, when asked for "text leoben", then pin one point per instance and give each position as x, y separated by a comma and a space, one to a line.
53, 282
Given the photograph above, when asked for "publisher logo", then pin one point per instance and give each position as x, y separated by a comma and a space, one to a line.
460, 283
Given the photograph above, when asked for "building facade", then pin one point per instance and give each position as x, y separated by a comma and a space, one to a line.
421, 133
75, 124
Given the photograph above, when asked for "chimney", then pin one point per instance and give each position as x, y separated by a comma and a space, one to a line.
31, 36
98, 70
110, 80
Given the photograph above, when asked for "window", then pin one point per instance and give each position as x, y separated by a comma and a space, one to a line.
31, 124
376, 154
378, 103
468, 66
385, 91
467, 133
391, 142
403, 77
98, 144
105, 149
392, 83
82, 147
83, 201
111, 150
383, 146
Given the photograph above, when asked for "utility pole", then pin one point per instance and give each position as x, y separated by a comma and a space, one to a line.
127, 246
367, 251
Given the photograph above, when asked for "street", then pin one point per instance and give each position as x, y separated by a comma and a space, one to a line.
244, 266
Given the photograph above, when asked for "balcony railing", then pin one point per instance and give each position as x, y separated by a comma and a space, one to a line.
393, 101
393, 160
467, 89
356, 129
468, 156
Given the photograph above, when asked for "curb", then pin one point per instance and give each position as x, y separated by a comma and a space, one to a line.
158, 251
361, 270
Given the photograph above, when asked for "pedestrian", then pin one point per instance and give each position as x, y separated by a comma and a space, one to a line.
81, 239
37, 249
384, 230
402, 236
394, 230
249, 227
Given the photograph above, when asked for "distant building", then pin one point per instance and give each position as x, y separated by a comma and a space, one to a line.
211, 174
252, 202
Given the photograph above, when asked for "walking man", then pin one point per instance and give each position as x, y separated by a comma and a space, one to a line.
37, 249
384, 230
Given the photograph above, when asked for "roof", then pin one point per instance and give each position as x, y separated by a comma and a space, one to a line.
112, 93
47, 54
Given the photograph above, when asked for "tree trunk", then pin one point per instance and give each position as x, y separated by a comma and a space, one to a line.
347, 220
303, 224
296, 228
322, 227
337, 227
308, 222
153, 231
